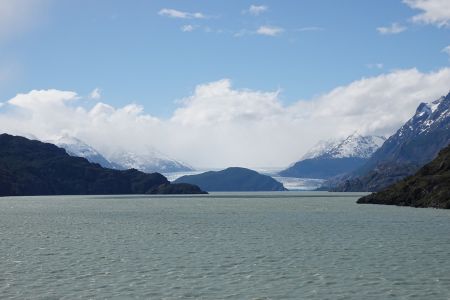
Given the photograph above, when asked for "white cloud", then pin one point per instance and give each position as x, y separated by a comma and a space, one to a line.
269, 30
310, 28
394, 28
256, 10
173, 13
218, 125
217, 102
38, 99
435, 12
188, 28
446, 50
95, 94
382, 103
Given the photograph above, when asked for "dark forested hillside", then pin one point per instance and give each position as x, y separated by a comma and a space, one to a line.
429, 187
29, 167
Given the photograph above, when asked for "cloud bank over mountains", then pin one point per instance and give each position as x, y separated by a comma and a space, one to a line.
220, 126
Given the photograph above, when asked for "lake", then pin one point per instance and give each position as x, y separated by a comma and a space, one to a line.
286, 245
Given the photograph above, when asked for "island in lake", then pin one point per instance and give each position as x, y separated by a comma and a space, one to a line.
233, 180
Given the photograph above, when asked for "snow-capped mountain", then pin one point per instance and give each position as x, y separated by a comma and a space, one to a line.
76, 147
320, 148
151, 161
355, 145
421, 137
335, 157
428, 117
416, 143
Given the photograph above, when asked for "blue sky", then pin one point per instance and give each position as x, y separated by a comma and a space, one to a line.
134, 54
285, 73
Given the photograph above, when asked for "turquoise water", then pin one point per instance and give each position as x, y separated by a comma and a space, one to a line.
221, 246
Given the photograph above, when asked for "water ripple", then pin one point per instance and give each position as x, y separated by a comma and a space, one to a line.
225, 246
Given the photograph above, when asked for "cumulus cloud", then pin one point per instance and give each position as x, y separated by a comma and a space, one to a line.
380, 104
219, 125
436, 12
256, 10
217, 102
394, 28
269, 30
178, 14
38, 99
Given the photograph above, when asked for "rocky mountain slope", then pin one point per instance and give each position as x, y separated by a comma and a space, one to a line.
332, 158
417, 142
429, 187
29, 167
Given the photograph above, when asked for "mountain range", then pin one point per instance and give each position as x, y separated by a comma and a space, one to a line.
335, 157
151, 161
416, 143
30, 167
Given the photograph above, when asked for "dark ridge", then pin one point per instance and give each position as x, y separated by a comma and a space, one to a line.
429, 187
29, 167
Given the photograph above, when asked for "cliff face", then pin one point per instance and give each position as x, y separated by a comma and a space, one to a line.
429, 187
29, 167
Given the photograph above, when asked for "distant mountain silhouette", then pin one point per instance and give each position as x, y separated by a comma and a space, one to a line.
429, 187
29, 167
232, 180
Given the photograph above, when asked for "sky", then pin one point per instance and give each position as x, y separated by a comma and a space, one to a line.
219, 83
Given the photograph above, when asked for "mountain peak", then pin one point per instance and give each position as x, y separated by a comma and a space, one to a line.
76, 147
416, 143
354, 145
151, 161
428, 116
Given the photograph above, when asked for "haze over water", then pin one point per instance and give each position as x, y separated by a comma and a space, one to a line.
221, 246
